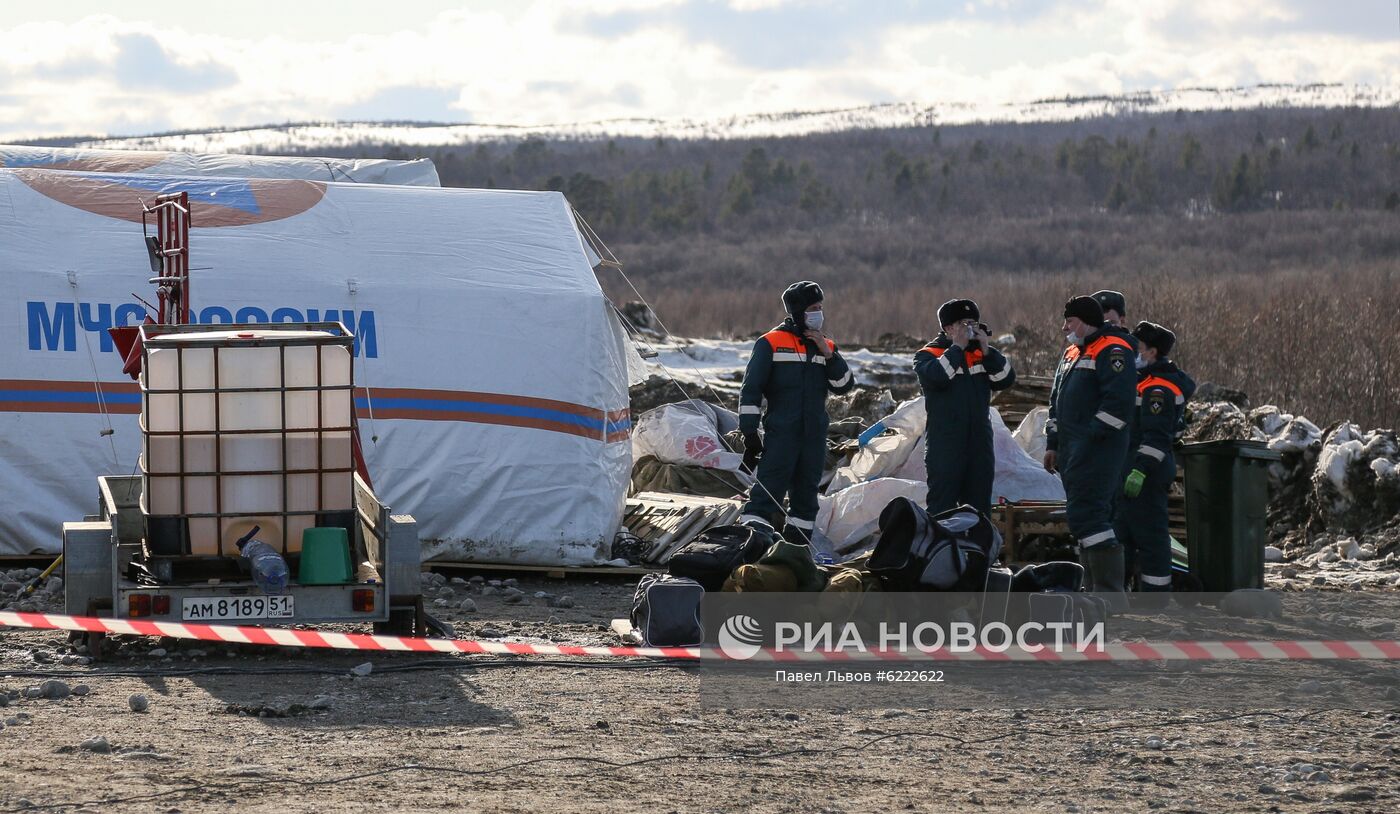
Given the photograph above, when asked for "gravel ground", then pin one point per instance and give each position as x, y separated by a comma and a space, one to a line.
305, 733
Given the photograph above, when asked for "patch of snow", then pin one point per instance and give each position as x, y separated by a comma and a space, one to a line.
319, 135
721, 363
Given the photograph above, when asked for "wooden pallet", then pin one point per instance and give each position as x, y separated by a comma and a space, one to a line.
1018, 521
549, 571
1025, 519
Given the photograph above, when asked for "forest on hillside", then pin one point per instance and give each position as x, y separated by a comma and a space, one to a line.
1270, 239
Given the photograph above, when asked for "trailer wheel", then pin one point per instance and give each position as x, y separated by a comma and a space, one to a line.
402, 622
96, 638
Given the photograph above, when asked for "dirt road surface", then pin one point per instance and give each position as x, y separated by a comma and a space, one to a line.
250, 729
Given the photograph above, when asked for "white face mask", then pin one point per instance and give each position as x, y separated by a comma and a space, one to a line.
813, 320
1074, 338
1141, 362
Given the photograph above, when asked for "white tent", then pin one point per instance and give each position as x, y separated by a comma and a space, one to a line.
496, 368
418, 173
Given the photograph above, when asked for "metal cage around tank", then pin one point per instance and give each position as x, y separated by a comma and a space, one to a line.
170, 533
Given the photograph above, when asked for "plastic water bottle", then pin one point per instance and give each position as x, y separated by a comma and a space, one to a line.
268, 567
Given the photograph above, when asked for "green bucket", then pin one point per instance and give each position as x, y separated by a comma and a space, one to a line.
325, 557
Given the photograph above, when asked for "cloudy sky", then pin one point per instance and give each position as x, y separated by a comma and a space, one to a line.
78, 67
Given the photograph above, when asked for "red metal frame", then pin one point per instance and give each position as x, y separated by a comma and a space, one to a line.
172, 213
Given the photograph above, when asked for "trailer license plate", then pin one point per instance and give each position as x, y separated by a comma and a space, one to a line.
219, 608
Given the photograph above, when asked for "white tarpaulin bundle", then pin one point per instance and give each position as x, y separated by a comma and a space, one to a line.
892, 466
418, 173
497, 369
901, 455
689, 433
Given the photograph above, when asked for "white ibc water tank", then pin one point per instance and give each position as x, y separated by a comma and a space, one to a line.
243, 427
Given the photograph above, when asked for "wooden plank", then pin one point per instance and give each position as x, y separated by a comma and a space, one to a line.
549, 571
27, 560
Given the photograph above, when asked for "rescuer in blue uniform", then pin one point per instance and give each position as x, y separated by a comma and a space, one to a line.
1115, 310
958, 372
1114, 305
793, 367
1093, 404
1141, 518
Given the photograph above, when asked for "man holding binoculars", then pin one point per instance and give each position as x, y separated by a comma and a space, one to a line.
958, 372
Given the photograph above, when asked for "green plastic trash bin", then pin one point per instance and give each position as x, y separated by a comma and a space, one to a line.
1227, 502
325, 557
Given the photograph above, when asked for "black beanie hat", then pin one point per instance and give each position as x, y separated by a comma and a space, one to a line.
1111, 301
800, 296
1087, 309
957, 310
1155, 336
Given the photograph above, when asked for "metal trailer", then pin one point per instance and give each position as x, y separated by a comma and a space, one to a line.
104, 559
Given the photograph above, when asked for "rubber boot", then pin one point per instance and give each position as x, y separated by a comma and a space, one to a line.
1103, 565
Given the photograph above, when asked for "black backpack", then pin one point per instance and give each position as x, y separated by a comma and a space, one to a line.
1073, 608
666, 611
949, 552
710, 558
1049, 576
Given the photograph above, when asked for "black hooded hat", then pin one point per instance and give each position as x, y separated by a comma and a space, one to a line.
1112, 301
1155, 336
1087, 309
954, 311
799, 297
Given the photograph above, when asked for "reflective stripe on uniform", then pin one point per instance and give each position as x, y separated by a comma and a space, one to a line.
1167, 580
1152, 452
1085, 364
1109, 420
1002, 374
798, 522
745, 519
797, 357
841, 382
975, 369
750, 409
947, 366
1097, 539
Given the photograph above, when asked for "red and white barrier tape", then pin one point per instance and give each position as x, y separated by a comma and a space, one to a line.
1125, 651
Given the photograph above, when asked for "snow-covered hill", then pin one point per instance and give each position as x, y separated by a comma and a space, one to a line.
312, 136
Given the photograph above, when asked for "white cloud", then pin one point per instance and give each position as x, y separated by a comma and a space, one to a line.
544, 62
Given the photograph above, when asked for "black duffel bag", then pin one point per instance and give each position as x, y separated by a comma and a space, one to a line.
1049, 576
948, 552
712, 556
666, 611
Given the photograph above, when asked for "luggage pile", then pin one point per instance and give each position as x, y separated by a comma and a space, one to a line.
956, 551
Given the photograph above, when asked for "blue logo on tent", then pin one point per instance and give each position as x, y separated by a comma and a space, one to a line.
228, 192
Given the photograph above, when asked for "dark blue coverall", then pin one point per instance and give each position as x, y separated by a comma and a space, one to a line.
787, 371
958, 456
1092, 403
1067, 360
1142, 522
